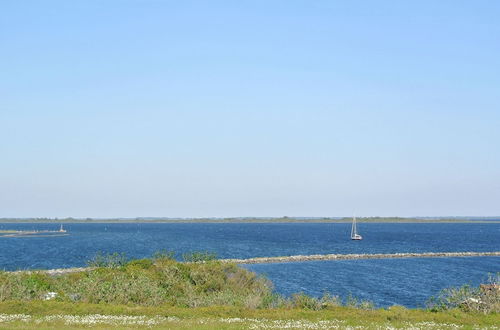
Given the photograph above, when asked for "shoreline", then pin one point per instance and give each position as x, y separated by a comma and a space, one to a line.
244, 221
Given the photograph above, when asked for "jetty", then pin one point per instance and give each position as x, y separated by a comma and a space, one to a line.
38, 233
320, 257
301, 258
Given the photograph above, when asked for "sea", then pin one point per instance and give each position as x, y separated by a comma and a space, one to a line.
386, 282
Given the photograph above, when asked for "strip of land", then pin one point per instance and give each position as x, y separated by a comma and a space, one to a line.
257, 220
316, 257
32, 233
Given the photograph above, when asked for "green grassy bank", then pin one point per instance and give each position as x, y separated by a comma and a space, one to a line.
205, 293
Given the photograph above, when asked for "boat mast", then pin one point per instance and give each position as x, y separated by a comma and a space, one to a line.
353, 227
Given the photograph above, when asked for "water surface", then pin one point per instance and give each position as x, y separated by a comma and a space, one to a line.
394, 281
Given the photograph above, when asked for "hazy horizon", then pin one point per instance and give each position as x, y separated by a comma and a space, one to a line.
218, 109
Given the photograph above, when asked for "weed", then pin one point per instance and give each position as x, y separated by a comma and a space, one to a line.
484, 299
113, 260
199, 256
163, 255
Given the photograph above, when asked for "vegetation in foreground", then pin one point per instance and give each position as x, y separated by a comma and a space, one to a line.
199, 281
205, 293
484, 299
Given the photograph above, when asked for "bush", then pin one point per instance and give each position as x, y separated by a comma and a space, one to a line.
163, 255
147, 282
118, 287
114, 260
273, 300
484, 299
306, 302
24, 286
140, 263
300, 300
330, 301
199, 256
354, 302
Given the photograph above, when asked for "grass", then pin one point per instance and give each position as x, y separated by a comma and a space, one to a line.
236, 317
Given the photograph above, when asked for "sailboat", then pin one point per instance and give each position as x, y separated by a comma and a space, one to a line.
62, 230
354, 232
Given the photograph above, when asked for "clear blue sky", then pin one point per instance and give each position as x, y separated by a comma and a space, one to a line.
249, 108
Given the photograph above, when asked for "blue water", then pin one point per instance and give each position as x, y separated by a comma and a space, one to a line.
404, 281
387, 282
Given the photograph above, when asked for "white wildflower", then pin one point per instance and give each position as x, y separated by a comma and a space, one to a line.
49, 295
4, 318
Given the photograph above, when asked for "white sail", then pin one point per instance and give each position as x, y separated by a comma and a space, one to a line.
354, 230
353, 226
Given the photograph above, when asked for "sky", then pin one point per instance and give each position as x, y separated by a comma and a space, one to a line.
124, 108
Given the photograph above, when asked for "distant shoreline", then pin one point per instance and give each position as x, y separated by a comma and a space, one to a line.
254, 220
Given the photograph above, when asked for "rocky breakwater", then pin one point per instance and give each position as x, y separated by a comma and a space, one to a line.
316, 257
297, 258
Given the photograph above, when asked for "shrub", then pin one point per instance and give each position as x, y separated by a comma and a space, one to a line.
140, 263
273, 300
300, 300
163, 255
330, 301
24, 286
146, 282
354, 302
119, 287
199, 256
484, 299
114, 260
